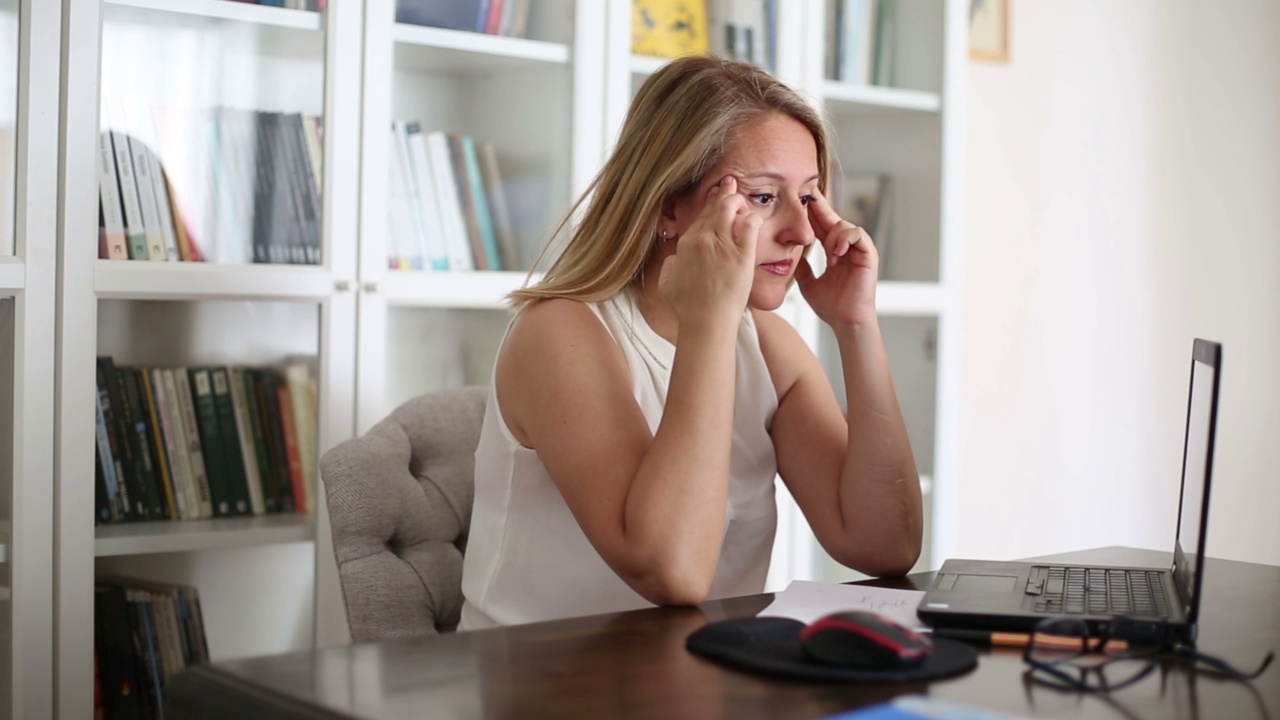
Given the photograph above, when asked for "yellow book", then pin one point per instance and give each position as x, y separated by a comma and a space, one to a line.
669, 28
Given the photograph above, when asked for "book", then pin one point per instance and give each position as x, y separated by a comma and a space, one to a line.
112, 213
244, 435
669, 28
440, 255
163, 477
176, 443
109, 402
113, 637
467, 15
298, 377
447, 197
480, 200
134, 226
235, 482
468, 203
211, 442
195, 445
140, 144
268, 487
108, 508
148, 472
508, 248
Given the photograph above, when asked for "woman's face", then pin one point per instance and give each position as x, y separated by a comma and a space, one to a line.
775, 162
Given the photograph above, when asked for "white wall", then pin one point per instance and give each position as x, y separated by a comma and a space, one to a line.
1123, 188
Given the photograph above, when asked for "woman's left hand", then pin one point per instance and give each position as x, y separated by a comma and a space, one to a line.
845, 294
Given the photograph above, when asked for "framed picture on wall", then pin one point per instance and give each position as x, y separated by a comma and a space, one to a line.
989, 30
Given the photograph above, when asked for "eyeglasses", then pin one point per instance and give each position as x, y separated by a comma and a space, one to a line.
1064, 653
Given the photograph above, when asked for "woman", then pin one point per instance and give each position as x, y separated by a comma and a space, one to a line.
645, 397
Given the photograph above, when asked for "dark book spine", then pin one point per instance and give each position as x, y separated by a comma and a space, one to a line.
163, 476
274, 426
253, 414
113, 634
237, 483
137, 410
147, 647
117, 491
211, 441
133, 495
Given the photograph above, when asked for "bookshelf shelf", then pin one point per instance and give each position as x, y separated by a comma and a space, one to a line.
644, 65
12, 274
457, 51
845, 98
139, 280
895, 298
229, 11
145, 538
460, 290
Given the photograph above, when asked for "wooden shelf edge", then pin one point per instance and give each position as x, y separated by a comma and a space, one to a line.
166, 536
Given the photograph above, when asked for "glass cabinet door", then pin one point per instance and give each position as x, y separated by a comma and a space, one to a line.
212, 126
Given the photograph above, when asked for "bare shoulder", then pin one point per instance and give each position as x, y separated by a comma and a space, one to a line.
555, 349
785, 352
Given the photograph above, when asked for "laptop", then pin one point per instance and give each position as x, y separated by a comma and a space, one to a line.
1014, 596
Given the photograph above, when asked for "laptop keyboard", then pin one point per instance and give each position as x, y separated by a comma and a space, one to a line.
1098, 591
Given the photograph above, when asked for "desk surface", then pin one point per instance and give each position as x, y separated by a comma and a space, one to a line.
634, 665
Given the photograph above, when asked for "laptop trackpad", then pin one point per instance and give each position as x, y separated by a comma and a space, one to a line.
986, 584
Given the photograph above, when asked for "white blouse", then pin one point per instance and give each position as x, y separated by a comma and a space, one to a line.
527, 559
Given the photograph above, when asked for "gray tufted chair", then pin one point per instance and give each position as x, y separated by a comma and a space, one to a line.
399, 500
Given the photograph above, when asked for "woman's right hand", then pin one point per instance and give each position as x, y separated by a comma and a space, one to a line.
709, 276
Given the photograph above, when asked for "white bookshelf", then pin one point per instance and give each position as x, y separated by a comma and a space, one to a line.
184, 536
127, 279
166, 314
551, 103
222, 10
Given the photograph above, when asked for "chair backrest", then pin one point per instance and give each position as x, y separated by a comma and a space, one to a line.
399, 500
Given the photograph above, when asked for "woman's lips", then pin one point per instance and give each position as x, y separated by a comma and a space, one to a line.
781, 267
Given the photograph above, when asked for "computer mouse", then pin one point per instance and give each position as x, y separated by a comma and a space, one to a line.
865, 640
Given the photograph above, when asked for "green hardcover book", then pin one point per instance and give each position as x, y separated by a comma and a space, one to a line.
211, 441
266, 474
237, 483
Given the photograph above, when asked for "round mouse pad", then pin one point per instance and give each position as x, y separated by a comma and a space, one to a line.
771, 645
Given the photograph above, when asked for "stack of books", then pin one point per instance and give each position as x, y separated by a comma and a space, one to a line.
221, 184
860, 41
447, 206
188, 443
144, 632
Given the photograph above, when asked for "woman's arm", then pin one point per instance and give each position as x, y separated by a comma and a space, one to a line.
652, 504
856, 480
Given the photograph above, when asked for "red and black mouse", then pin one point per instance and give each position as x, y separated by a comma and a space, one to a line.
865, 640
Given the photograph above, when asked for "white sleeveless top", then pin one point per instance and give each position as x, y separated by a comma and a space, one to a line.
527, 558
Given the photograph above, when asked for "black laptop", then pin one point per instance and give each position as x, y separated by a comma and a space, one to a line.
1013, 596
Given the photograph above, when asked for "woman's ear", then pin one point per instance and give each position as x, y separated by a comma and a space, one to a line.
667, 211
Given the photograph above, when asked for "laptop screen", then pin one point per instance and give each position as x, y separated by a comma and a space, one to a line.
1188, 550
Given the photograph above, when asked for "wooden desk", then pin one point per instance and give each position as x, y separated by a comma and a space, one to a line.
634, 665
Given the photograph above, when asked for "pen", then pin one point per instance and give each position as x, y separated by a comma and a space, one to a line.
1010, 639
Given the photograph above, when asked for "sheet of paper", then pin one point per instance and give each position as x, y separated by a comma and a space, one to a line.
806, 601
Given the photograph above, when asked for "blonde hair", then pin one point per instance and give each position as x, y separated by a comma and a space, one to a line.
678, 127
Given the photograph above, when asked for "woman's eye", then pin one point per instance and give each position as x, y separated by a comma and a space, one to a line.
806, 199
764, 198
